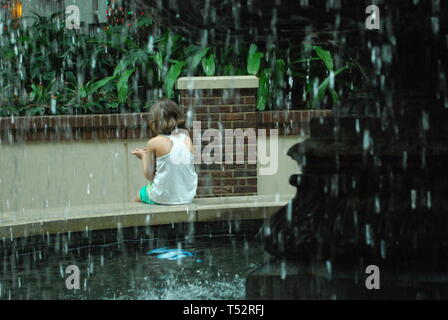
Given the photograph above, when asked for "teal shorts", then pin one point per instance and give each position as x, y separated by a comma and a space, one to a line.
144, 194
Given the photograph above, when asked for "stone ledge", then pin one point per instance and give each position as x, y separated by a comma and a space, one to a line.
101, 217
222, 82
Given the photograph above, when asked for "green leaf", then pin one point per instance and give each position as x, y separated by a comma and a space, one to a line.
208, 64
136, 56
325, 55
263, 89
194, 60
280, 73
253, 60
99, 84
252, 49
323, 87
334, 96
122, 85
82, 92
171, 77
158, 59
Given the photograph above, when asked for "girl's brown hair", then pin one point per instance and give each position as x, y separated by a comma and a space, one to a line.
164, 117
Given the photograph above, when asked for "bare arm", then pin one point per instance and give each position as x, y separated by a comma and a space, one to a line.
149, 164
148, 157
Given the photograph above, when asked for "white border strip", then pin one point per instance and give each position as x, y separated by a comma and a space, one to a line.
222, 82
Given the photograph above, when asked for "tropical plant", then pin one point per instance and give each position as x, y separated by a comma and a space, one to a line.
47, 69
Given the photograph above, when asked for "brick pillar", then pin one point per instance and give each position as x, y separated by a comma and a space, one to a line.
222, 103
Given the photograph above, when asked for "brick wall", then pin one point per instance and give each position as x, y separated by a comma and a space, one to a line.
224, 109
235, 109
74, 128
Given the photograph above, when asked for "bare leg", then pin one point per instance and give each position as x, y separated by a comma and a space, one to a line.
137, 198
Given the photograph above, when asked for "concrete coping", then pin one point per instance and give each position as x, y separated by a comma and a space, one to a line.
221, 82
122, 215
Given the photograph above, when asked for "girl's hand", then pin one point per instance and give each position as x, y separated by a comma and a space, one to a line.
139, 152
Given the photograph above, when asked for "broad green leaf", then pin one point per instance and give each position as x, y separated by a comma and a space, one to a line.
194, 60
252, 49
82, 92
261, 102
253, 60
174, 42
158, 59
122, 85
138, 56
323, 87
171, 77
99, 84
325, 55
334, 96
263, 89
253, 64
280, 73
208, 64
191, 50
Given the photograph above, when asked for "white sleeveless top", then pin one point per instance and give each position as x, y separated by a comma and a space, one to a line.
175, 180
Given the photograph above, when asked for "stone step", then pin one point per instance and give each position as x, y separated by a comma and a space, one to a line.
123, 215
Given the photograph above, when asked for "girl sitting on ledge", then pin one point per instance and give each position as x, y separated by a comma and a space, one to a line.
168, 159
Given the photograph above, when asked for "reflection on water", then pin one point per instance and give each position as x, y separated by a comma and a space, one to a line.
217, 270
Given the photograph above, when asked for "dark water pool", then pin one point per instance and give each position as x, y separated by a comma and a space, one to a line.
124, 270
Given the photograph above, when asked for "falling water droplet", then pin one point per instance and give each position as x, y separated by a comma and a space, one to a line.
405, 160
329, 268
369, 240
383, 249
366, 140
53, 105
413, 198
151, 44
283, 270
435, 25
425, 121
377, 205
289, 212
